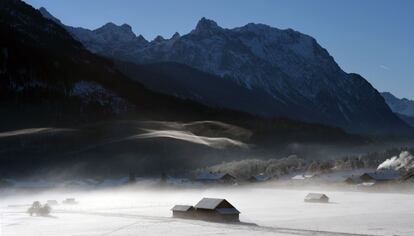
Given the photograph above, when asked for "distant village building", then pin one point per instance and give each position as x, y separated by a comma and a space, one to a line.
258, 178
210, 177
353, 180
381, 176
210, 209
303, 177
317, 197
409, 177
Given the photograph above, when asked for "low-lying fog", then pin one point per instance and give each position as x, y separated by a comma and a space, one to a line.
146, 211
106, 205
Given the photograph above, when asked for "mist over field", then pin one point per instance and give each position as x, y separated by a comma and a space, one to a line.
265, 210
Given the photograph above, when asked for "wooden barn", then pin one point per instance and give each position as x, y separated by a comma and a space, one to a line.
214, 209
210, 209
183, 211
317, 197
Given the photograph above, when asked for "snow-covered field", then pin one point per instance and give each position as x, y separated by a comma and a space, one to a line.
147, 212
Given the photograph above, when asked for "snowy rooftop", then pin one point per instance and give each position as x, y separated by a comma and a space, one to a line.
315, 196
302, 177
209, 203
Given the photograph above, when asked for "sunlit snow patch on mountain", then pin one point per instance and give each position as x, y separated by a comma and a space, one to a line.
204, 128
217, 142
32, 131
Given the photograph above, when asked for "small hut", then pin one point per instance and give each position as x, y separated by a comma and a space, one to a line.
183, 211
317, 197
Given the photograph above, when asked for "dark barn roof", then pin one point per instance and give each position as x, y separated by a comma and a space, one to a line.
182, 208
315, 196
221, 205
209, 203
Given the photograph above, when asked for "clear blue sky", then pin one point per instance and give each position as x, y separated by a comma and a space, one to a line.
374, 38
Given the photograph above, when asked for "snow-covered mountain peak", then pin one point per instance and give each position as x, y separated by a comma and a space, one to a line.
113, 32
108, 25
141, 39
158, 39
206, 26
176, 35
254, 27
125, 28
